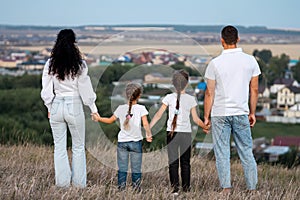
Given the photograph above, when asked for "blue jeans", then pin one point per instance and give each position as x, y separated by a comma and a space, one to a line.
67, 112
132, 150
222, 127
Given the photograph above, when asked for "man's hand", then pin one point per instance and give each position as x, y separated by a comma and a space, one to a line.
252, 120
207, 124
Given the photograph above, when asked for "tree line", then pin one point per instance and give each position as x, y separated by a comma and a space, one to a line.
273, 67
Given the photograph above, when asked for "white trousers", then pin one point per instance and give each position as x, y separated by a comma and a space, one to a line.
67, 112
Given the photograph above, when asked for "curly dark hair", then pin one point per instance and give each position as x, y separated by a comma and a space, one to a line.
66, 59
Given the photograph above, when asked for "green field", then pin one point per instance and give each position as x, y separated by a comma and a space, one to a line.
270, 130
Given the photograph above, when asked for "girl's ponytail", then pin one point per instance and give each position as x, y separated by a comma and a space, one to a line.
180, 80
133, 92
174, 122
128, 116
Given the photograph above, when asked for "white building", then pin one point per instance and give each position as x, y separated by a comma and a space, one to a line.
288, 96
293, 111
281, 83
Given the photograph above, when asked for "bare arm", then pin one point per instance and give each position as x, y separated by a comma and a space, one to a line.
147, 128
196, 118
209, 99
253, 99
158, 115
97, 117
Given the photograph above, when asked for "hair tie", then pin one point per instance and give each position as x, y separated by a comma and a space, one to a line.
176, 112
129, 116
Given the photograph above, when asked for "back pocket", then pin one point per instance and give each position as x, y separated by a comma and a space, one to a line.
54, 108
74, 109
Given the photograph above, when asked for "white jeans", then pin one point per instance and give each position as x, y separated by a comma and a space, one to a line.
68, 112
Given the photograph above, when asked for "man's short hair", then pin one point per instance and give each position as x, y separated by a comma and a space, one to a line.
230, 35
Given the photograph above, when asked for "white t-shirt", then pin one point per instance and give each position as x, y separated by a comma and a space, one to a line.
135, 132
183, 119
232, 71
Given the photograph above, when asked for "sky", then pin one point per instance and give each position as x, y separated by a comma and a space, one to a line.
269, 13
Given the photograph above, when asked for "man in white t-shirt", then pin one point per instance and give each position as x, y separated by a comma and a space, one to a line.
230, 78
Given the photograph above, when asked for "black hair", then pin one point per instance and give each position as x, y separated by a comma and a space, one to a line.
230, 35
65, 59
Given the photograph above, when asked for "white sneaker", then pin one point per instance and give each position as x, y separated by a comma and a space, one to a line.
175, 194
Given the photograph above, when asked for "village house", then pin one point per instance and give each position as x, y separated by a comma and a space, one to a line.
280, 146
281, 83
264, 100
288, 97
46, 52
32, 65
287, 91
286, 141
9, 63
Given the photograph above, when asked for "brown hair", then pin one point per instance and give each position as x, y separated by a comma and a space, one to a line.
133, 92
180, 80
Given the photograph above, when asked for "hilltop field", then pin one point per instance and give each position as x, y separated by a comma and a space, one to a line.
26, 172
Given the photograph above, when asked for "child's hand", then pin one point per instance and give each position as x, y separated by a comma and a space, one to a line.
206, 126
149, 138
95, 117
206, 129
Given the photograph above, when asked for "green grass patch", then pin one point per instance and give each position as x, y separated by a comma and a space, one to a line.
270, 130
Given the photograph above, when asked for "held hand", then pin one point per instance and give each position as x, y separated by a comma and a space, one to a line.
95, 117
207, 125
149, 138
206, 131
252, 120
206, 122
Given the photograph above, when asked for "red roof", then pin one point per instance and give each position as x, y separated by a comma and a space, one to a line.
286, 141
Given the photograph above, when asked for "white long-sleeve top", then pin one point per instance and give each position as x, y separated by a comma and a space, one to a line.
79, 86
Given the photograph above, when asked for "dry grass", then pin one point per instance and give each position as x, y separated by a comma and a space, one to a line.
26, 172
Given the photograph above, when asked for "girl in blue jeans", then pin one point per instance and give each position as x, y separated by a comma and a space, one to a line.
130, 136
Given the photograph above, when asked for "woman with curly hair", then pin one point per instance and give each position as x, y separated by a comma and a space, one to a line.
66, 86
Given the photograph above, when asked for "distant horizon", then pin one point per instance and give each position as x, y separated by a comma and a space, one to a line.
153, 25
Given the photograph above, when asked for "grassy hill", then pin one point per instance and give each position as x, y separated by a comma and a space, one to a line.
26, 172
